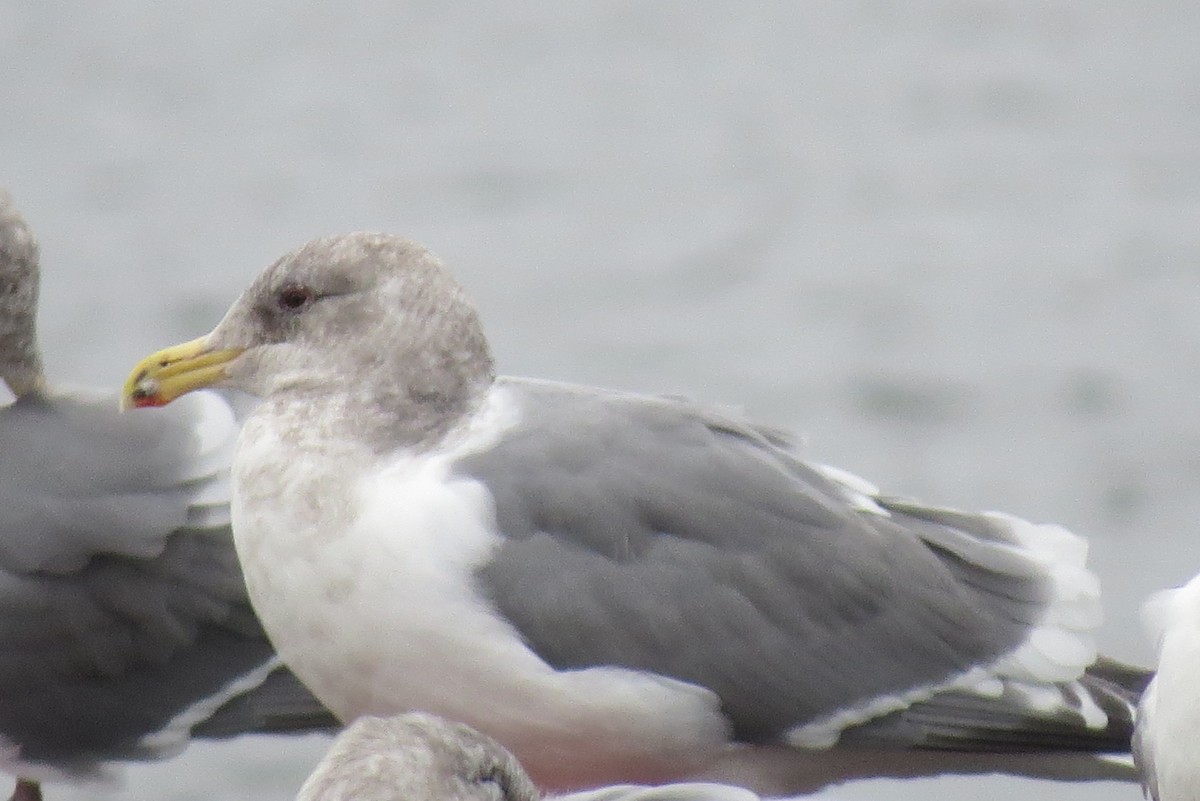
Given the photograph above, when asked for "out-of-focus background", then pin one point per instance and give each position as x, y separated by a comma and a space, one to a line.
956, 243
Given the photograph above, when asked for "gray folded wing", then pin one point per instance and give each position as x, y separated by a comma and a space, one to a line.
122, 608
658, 535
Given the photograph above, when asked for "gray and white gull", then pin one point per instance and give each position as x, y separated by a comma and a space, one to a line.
618, 587
1166, 744
420, 757
123, 615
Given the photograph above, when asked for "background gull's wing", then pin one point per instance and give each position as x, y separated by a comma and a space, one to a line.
122, 607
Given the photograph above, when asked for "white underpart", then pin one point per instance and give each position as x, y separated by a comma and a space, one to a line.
1170, 712
683, 791
1057, 650
370, 600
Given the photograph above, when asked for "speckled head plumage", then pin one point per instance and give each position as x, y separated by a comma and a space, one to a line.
20, 360
416, 757
374, 317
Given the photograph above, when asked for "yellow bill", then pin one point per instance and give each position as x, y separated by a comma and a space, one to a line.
162, 377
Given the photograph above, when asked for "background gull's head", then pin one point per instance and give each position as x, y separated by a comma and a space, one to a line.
416, 757
20, 360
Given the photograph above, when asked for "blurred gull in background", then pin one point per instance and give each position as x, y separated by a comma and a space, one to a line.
123, 614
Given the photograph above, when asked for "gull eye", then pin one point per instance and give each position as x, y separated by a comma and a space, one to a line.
294, 297
490, 780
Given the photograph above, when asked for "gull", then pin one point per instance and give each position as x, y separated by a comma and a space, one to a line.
1164, 744
617, 587
420, 757
123, 614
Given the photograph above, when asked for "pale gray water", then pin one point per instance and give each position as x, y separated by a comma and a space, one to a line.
957, 243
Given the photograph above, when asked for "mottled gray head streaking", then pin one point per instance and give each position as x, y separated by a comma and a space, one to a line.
371, 318
20, 360
416, 757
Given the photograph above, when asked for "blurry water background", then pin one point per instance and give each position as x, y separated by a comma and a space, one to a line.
955, 243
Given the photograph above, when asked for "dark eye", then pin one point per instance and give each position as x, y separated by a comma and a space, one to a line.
294, 298
492, 779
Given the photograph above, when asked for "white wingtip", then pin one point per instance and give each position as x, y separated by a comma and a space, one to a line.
1062, 645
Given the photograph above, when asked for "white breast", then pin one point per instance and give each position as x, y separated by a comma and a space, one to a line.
362, 571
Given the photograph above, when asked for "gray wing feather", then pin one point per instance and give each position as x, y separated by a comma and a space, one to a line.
122, 607
659, 535
959, 720
79, 478
280, 704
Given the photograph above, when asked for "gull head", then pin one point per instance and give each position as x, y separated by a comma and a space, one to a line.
20, 360
416, 757
365, 318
